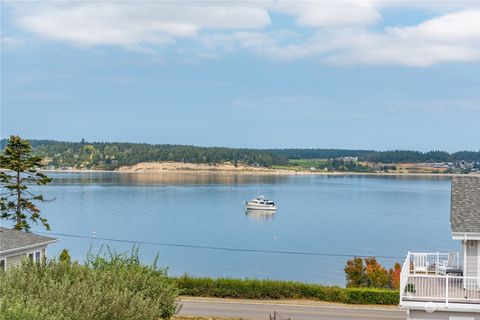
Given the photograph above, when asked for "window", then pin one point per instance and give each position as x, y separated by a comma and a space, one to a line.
34, 256
2, 265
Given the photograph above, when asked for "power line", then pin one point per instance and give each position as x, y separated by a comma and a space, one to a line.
193, 246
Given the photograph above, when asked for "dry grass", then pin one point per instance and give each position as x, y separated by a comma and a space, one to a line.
418, 168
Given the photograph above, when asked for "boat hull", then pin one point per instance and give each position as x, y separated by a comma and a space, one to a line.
251, 206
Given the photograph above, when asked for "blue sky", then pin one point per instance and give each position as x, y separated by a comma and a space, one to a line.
323, 74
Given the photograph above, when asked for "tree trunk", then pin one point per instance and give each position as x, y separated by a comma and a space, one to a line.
19, 200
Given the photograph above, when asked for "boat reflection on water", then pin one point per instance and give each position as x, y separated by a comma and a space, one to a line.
260, 215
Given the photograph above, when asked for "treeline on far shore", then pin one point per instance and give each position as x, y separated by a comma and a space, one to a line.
394, 156
111, 155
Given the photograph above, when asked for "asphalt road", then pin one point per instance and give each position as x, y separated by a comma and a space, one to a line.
262, 310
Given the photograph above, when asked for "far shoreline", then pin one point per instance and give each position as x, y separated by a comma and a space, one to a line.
265, 172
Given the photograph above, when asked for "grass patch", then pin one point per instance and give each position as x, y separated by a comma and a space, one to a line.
307, 163
302, 164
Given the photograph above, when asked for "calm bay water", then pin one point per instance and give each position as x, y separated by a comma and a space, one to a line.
359, 215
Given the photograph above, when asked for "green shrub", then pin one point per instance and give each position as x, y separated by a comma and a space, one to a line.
371, 296
65, 257
23, 311
107, 286
410, 288
271, 289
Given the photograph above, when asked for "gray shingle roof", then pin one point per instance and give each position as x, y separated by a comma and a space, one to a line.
465, 204
12, 239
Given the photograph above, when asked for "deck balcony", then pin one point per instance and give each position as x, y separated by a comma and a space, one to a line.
436, 280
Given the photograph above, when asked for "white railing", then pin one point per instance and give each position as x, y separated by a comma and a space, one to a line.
425, 277
445, 289
432, 263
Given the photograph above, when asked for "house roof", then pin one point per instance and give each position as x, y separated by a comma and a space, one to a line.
12, 240
465, 204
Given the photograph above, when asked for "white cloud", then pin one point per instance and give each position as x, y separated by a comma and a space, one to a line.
453, 37
454, 27
338, 13
128, 23
11, 43
339, 32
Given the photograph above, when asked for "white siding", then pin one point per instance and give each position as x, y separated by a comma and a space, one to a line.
14, 260
471, 260
443, 315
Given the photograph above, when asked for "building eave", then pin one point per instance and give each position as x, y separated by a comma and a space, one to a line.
25, 248
465, 235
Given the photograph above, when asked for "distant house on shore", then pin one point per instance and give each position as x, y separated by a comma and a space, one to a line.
15, 245
348, 159
447, 285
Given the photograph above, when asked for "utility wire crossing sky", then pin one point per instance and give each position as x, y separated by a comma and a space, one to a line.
192, 246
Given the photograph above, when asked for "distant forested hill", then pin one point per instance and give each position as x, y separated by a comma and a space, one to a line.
319, 153
416, 156
103, 155
110, 155
396, 156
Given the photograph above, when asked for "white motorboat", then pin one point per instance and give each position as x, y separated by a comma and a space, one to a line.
260, 203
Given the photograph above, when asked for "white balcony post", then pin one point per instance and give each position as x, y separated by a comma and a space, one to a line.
446, 290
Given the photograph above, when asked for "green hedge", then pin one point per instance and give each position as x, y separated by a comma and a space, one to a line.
371, 296
271, 289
